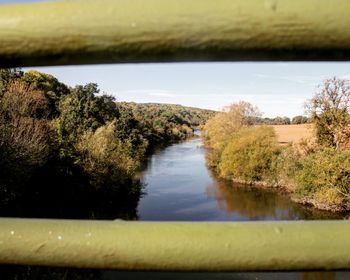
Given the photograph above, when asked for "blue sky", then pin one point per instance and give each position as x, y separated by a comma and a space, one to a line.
277, 88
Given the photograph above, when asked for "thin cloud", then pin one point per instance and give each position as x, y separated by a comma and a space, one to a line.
300, 79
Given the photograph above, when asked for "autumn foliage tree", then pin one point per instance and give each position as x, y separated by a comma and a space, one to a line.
25, 131
329, 109
224, 125
240, 149
106, 158
7, 76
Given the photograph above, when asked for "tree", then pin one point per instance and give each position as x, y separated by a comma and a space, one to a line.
329, 110
50, 86
281, 120
299, 120
224, 125
7, 75
24, 130
82, 110
220, 129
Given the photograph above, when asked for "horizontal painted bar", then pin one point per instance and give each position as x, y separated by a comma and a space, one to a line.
108, 31
176, 246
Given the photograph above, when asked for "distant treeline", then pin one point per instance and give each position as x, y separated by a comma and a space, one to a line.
74, 152
162, 123
283, 120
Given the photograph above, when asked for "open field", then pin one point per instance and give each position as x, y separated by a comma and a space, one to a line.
293, 133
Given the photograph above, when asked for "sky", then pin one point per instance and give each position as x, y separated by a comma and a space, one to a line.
277, 88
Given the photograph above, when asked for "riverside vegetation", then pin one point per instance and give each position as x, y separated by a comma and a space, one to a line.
315, 172
73, 152
76, 153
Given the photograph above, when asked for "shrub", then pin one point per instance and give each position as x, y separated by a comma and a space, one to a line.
186, 130
323, 170
8, 75
251, 155
329, 196
105, 158
21, 100
25, 133
288, 164
307, 146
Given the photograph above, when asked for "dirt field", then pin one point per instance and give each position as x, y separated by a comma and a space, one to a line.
293, 132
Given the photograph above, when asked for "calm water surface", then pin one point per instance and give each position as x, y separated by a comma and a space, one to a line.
180, 187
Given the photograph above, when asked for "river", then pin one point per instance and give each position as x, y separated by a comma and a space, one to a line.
180, 187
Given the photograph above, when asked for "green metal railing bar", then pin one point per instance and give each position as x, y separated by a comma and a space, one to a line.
176, 246
107, 31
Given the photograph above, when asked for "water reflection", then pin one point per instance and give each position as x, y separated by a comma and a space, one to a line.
180, 187
258, 204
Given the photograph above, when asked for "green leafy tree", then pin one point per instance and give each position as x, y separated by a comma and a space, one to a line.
50, 86
159, 123
82, 110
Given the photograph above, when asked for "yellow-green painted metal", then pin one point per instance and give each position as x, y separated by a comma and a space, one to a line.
176, 246
108, 31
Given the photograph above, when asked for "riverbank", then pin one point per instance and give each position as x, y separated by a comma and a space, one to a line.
180, 187
326, 199
76, 147
288, 190
321, 206
267, 156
